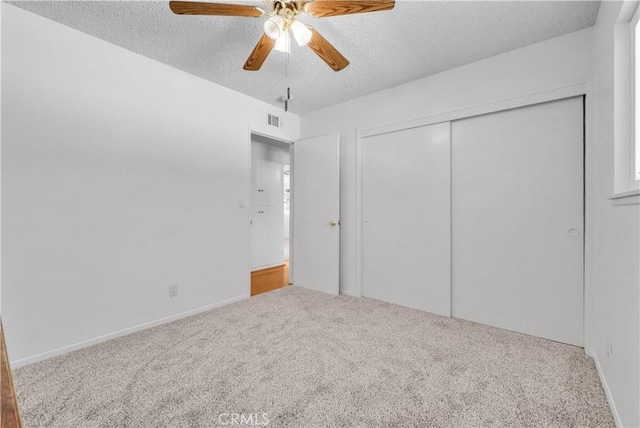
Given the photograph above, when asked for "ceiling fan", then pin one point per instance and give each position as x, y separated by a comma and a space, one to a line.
283, 17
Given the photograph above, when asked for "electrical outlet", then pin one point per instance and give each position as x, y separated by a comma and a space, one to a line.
610, 348
173, 290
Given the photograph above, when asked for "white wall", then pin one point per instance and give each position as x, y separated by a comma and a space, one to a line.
545, 66
613, 256
120, 176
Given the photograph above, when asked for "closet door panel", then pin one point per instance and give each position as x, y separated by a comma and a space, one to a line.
272, 241
255, 231
517, 224
257, 155
271, 173
406, 218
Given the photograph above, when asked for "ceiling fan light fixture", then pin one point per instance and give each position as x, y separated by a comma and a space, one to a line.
281, 16
283, 42
274, 26
301, 33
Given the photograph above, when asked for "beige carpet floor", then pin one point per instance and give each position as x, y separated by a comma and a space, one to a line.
297, 358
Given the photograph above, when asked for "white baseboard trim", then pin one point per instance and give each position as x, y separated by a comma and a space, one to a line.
348, 293
607, 391
69, 348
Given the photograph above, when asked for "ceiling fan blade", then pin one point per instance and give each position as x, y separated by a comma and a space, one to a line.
260, 53
222, 9
325, 8
327, 52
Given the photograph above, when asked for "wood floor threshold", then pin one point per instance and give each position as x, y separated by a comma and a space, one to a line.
9, 412
268, 279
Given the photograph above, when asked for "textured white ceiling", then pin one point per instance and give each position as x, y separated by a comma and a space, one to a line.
416, 39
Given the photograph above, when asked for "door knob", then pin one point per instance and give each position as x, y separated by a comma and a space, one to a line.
333, 223
573, 232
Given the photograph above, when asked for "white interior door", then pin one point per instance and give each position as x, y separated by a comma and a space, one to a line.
316, 214
406, 236
517, 222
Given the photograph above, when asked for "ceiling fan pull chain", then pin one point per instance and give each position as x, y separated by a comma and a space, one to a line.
287, 96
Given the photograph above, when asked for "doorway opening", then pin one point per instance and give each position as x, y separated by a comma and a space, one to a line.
270, 213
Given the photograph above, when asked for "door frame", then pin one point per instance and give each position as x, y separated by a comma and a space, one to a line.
581, 89
283, 142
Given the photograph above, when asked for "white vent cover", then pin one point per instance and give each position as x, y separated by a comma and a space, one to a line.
274, 121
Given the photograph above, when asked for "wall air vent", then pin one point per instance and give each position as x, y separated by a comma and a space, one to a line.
274, 121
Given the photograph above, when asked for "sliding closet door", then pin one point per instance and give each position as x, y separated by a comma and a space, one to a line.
517, 220
406, 218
